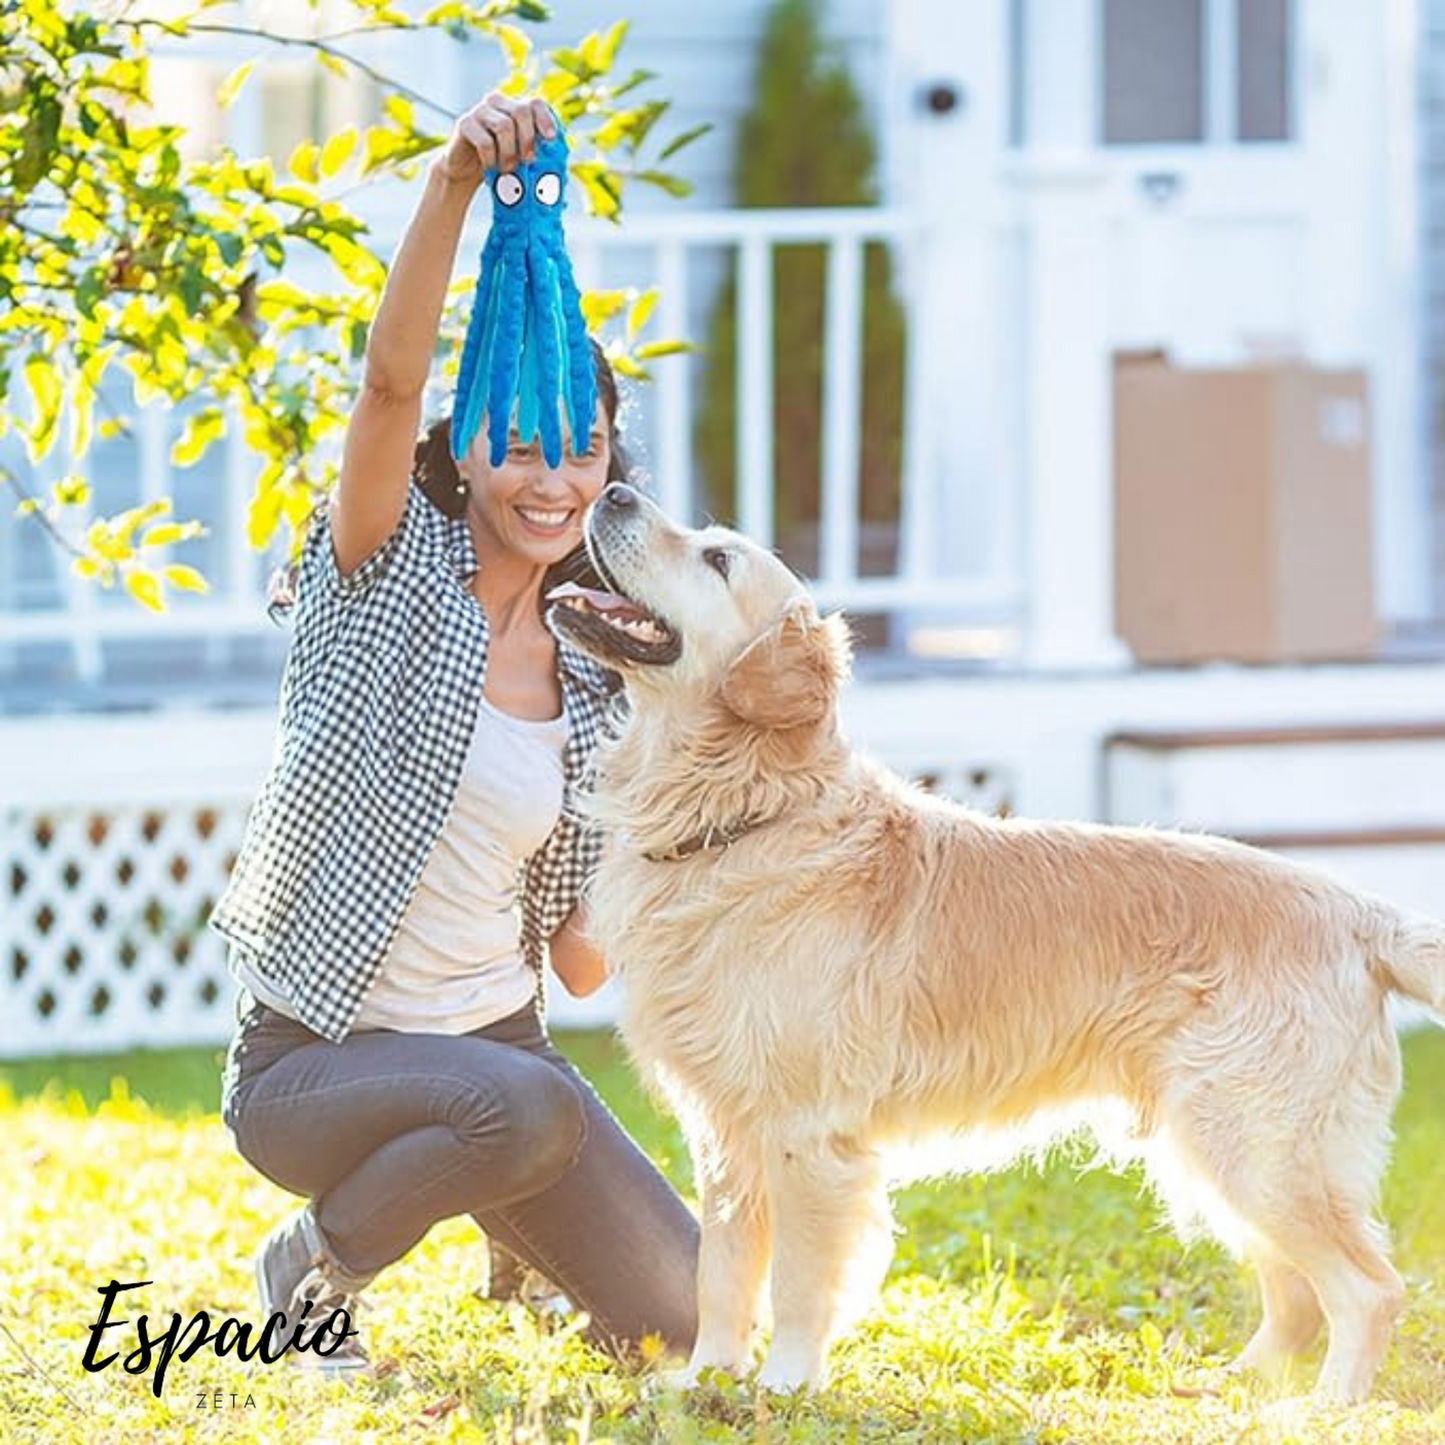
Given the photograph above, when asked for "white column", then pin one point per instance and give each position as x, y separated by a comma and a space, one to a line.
1068, 383
944, 167
243, 131
1359, 117
1404, 409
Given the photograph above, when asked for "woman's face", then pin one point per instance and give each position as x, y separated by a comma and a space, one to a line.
526, 508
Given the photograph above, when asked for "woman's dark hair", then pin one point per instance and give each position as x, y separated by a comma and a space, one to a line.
436, 474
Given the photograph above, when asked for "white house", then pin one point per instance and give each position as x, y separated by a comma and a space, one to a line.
1224, 180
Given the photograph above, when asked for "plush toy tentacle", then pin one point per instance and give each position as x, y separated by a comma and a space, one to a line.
581, 373
506, 355
476, 351
545, 307
528, 399
569, 408
472, 403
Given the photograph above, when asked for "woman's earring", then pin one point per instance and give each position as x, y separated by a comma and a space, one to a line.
461, 489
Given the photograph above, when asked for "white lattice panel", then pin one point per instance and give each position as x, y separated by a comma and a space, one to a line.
106, 944
116, 836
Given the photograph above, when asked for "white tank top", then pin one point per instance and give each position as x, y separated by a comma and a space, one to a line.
456, 962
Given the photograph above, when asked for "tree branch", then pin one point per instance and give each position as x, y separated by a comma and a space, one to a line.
323, 46
39, 514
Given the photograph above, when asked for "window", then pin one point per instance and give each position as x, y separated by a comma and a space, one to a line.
183, 92
301, 102
1153, 71
1266, 96
1187, 72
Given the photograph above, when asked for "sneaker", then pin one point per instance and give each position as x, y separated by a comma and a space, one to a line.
294, 1269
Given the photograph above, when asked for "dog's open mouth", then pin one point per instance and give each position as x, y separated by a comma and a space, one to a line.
613, 626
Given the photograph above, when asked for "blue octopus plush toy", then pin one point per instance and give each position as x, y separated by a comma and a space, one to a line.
526, 342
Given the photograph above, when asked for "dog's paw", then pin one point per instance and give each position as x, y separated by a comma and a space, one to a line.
783, 1378
693, 1374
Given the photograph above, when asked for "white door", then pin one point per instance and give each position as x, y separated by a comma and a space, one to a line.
1226, 179
1255, 169
1199, 133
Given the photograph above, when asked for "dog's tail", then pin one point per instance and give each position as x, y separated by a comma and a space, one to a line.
1409, 959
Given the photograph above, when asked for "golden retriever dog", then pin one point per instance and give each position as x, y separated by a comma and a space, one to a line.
826, 969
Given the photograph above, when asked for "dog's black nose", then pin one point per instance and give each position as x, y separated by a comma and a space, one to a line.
619, 495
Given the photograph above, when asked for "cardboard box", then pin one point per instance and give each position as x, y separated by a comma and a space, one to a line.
1242, 512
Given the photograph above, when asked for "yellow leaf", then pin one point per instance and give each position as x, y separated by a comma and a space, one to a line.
80, 225
556, 85
641, 312
71, 491
95, 364
624, 365
612, 40
82, 415
44, 380
337, 150
231, 86
262, 516
599, 307
302, 163
99, 539
165, 534
651, 350
298, 504
185, 579
125, 526
86, 567
146, 589
516, 45
601, 189
354, 262
381, 145
202, 428
399, 108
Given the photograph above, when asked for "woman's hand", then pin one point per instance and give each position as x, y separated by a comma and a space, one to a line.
579, 966
499, 133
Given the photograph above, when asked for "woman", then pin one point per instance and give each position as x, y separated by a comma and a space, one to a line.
389, 1060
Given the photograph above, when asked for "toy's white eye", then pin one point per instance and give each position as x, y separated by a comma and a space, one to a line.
548, 188
509, 189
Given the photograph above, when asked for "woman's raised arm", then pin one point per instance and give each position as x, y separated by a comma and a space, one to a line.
376, 461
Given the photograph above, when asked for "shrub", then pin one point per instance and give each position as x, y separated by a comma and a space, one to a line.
805, 142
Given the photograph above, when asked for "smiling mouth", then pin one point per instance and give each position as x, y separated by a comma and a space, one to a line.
546, 519
612, 626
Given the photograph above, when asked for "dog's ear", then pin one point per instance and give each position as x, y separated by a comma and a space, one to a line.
789, 677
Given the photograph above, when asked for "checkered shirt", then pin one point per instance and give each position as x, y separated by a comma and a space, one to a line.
379, 703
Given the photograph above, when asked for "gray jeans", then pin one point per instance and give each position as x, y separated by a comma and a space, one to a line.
390, 1132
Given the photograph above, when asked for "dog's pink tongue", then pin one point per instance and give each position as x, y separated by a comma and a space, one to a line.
602, 601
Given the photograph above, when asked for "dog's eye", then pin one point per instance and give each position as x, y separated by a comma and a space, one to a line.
719, 560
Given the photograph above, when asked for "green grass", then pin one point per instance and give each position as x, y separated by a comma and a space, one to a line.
1025, 1306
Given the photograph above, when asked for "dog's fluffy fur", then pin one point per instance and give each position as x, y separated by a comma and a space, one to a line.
871, 969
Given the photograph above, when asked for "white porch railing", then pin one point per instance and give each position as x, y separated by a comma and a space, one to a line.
677, 251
